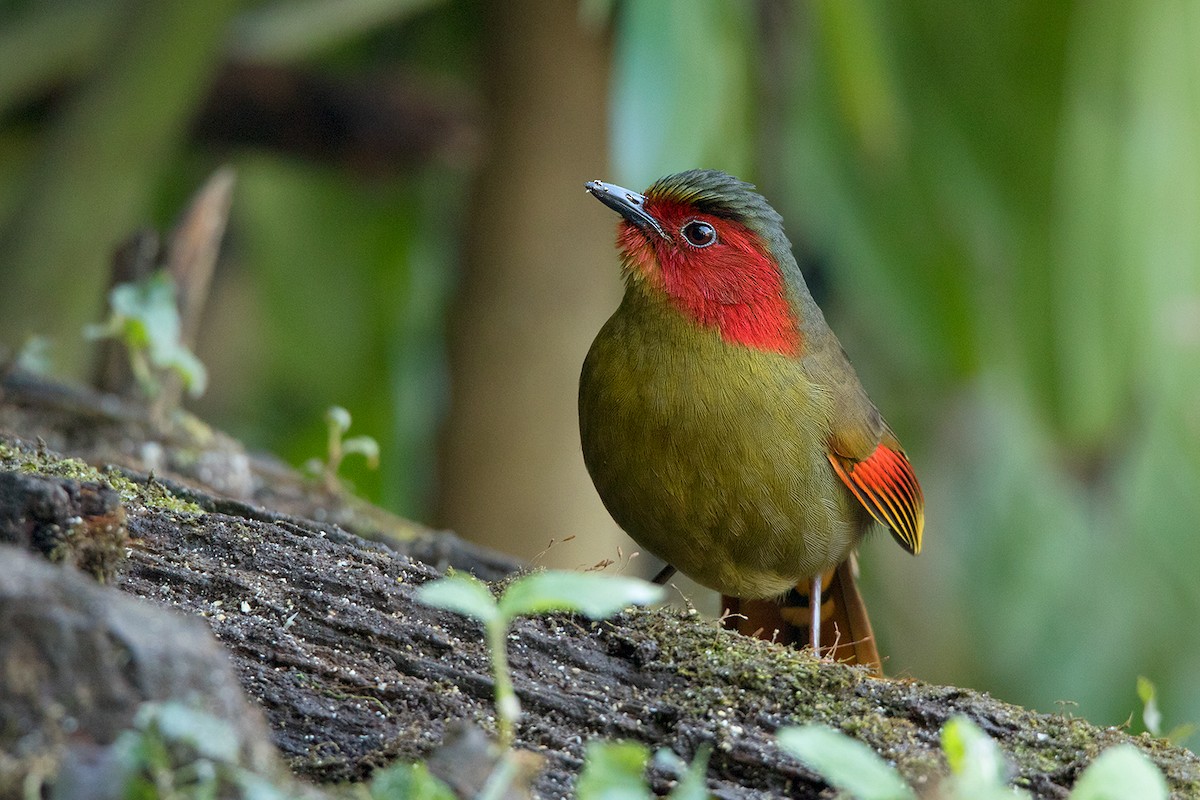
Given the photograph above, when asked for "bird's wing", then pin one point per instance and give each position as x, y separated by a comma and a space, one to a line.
885, 484
864, 452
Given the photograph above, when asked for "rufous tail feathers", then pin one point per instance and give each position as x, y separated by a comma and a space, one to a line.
846, 634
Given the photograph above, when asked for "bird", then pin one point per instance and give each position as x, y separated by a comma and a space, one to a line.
724, 426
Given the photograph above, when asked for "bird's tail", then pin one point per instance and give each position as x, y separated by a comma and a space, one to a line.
846, 634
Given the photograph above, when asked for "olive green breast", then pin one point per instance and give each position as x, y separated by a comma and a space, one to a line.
712, 456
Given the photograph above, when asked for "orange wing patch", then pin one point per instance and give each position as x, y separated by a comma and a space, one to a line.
887, 487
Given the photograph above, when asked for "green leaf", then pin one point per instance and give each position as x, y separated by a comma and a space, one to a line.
149, 309
845, 763
463, 594
212, 738
365, 446
971, 752
692, 784
408, 782
1151, 716
145, 318
976, 762
1120, 773
591, 594
613, 771
176, 357
338, 419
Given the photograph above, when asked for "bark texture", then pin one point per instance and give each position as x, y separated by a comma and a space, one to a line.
351, 673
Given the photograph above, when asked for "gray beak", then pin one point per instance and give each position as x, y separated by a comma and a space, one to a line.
629, 204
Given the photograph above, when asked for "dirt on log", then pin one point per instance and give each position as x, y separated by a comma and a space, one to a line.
352, 673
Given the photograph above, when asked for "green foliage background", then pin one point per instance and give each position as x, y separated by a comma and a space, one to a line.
997, 203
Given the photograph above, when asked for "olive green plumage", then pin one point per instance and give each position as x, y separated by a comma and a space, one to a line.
712, 455
709, 454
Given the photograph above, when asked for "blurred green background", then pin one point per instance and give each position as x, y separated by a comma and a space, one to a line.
998, 205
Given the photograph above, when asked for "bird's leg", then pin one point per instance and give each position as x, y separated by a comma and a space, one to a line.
814, 605
664, 575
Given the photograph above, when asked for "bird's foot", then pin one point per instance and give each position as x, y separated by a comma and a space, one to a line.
665, 574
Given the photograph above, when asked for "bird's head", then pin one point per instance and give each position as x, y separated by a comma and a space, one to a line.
716, 249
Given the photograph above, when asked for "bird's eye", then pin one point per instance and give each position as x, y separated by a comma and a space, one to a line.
699, 234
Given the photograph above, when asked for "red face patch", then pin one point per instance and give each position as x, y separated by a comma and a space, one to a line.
731, 284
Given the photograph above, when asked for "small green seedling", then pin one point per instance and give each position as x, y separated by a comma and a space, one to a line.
179, 753
1152, 716
592, 595
847, 764
337, 422
977, 768
616, 770
1120, 773
144, 317
408, 782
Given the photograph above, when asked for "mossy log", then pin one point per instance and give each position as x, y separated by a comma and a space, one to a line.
352, 673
